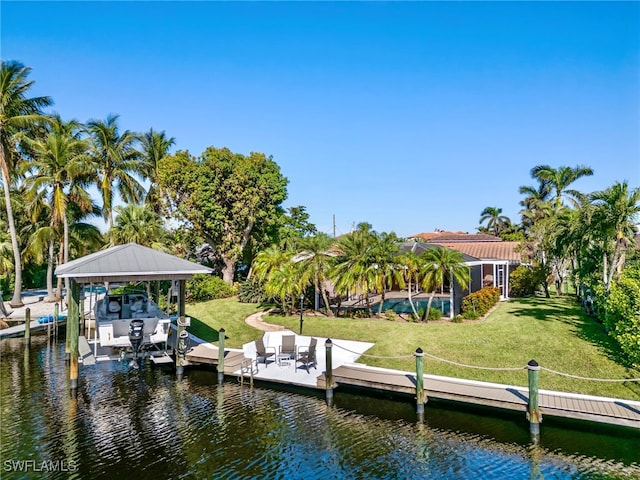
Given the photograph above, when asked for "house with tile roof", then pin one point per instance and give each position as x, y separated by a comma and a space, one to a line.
490, 259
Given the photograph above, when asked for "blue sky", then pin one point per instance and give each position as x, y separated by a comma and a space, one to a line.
410, 116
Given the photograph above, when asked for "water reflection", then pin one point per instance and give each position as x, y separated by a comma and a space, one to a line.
125, 421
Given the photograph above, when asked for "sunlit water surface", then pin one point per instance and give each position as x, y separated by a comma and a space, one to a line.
145, 425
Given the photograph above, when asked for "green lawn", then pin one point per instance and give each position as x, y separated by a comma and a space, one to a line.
555, 332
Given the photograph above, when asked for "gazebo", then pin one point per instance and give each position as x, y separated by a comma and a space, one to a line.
122, 263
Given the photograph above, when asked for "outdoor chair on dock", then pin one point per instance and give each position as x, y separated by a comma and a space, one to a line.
264, 352
288, 347
307, 355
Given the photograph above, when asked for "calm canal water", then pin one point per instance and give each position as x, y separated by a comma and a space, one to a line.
144, 425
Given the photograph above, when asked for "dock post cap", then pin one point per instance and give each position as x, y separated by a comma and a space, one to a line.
533, 365
418, 352
328, 343
222, 330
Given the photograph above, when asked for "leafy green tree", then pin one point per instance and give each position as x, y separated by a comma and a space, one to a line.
139, 224
294, 227
18, 115
616, 213
439, 265
117, 163
496, 222
559, 179
228, 198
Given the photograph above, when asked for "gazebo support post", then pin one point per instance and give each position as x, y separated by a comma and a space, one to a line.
181, 344
73, 332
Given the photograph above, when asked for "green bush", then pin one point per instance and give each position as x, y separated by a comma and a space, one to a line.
434, 314
458, 319
622, 313
523, 281
477, 304
207, 287
390, 315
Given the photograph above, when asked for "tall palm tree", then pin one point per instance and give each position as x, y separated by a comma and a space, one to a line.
139, 224
616, 214
559, 179
155, 146
439, 265
535, 204
18, 114
117, 161
61, 170
315, 261
495, 220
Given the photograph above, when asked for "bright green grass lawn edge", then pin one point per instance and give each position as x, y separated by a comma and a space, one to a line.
555, 332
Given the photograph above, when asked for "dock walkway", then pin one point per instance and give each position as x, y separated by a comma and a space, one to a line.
559, 404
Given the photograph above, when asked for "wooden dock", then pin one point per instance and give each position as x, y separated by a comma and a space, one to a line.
553, 404
559, 404
18, 330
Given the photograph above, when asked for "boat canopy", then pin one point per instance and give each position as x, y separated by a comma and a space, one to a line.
129, 262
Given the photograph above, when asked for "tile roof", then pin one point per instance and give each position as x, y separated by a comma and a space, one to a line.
487, 250
441, 236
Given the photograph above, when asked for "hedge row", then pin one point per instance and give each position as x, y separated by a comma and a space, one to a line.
476, 304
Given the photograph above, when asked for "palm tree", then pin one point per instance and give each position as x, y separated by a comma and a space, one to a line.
117, 160
388, 269
410, 263
62, 170
354, 270
535, 204
138, 224
495, 220
155, 146
315, 260
439, 265
265, 267
615, 217
559, 179
18, 114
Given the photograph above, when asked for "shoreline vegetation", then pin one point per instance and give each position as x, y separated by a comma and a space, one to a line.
555, 332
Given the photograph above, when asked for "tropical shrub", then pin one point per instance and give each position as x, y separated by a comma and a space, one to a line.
390, 315
622, 313
523, 281
251, 291
208, 287
434, 314
477, 304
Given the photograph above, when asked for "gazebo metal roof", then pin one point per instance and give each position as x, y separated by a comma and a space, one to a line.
129, 262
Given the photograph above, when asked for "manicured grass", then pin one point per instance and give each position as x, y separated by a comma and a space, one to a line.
555, 332
207, 318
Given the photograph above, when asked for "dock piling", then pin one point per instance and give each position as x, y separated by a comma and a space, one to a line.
27, 326
329, 371
421, 397
533, 411
73, 332
221, 333
56, 312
